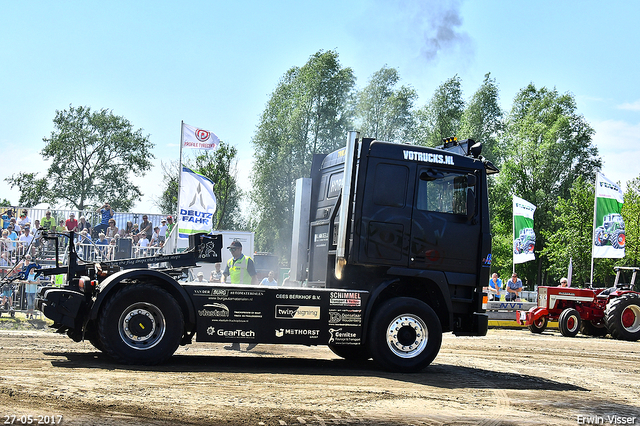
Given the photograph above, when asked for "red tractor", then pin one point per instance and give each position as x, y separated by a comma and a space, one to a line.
593, 311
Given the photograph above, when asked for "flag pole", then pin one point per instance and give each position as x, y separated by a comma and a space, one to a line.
176, 220
513, 232
593, 229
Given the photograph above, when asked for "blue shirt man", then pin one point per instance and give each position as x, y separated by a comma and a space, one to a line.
514, 287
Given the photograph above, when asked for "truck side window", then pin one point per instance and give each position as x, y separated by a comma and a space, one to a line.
335, 185
445, 194
390, 185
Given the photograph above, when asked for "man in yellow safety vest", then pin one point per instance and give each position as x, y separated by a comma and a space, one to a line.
240, 270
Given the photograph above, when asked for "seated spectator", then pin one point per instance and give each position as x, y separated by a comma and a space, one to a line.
83, 224
142, 244
24, 218
26, 240
112, 229
155, 237
48, 223
127, 230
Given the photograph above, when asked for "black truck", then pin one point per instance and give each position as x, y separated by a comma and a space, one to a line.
391, 248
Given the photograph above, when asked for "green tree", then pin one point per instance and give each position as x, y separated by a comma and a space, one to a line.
168, 200
631, 216
221, 167
483, 119
441, 117
309, 112
547, 146
384, 112
93, 156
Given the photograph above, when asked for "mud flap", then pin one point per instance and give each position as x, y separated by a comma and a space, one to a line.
63, 306
479, 326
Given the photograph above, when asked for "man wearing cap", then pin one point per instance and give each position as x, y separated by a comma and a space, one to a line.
200, 276
71, 223
241, 270
169, 224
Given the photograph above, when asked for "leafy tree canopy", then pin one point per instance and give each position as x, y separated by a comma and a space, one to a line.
93, 156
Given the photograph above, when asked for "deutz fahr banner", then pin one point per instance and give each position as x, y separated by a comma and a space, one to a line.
608, 226
524, 239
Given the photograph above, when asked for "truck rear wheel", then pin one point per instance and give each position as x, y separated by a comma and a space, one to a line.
569, 322
622, 317
539, 325
141, 324
351, 352
405, 335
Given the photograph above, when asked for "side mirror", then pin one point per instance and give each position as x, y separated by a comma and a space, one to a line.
471, 180
471, 204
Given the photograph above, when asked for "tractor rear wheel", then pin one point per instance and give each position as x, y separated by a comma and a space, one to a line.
539, 325
569, 322
622, 317
589, 328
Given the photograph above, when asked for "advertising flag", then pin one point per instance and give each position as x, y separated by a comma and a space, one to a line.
192, 137
524, 239
608, 226
197, 204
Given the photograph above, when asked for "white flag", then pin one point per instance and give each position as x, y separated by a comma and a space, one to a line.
608, 227
192, 137
197, 204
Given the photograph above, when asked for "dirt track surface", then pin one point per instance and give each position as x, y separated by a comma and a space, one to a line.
510, 377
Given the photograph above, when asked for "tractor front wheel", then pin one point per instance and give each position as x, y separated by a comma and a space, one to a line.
569, 322
539, 325
622, 317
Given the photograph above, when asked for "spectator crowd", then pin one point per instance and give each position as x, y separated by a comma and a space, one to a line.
21, 236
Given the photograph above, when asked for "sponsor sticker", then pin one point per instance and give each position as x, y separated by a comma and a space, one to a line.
297, 312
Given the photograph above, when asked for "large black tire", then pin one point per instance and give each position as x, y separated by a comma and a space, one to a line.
405, 335
618, 239
622, 317
569, 322
351, 352
140, 324
538, 326
588, 328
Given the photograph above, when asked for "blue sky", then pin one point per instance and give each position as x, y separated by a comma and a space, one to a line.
214, 64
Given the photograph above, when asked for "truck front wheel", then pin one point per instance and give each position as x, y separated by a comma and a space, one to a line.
140, 324
405, 335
